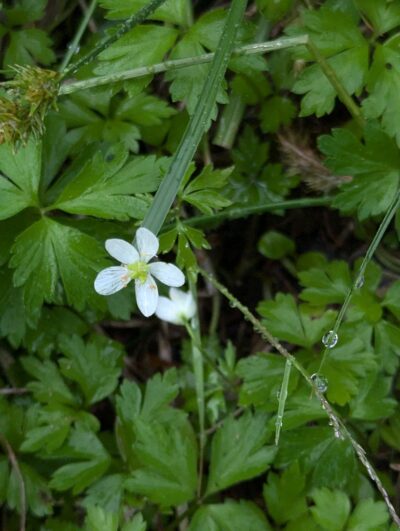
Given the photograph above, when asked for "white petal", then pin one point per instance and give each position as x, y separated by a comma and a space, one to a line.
146, 295
168, 274
168, 311
147, 244
122, 251
111, 280
184, 301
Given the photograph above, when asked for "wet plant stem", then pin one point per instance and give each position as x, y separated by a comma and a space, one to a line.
74, 46
339, 428
20, 480
250, 49
193, 330
359, 279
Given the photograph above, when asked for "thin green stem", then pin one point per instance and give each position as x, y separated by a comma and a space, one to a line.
359, 280
250, 49
199, 122
73, 47
342, 93
282, 400
137, 18
340, 429
242, 212
193, 329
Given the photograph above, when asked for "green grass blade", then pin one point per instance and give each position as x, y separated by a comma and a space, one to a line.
198, 123
282, 401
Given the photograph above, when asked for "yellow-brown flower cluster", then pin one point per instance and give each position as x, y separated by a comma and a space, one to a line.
25, 101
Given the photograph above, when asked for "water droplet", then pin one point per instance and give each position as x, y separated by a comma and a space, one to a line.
77, 49
232, 304
330, 339
320, 382
360, 282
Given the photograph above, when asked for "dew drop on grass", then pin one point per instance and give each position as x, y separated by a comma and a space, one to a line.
320, 382
330, 339
359, 282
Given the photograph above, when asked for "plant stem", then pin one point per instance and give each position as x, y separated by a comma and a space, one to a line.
282, 400
359, 280
242, 212
249, 49
340, 429
73, 47
342, 93
137, 18
20, 480
198, 123
198, 370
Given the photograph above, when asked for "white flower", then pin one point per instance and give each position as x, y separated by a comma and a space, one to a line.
180, 307
135, 266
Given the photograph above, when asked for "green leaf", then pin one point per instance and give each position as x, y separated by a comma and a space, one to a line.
340, 41
327, 284
173, 11
20, 177
50, 385
98, 519
368, 514
383, 84
167, 453
202, 190
374, 166
292, 323
104, 188
47, 252
238, 451
94, 461
262, 378
275, 112
29, 46
275, 245
384, 16
143, 45
25, 11
331, 510
372, 401
392, 299
386, 342
95, 366
346, 366
38, 495
52, 429
229, 516
106, 493
284, 495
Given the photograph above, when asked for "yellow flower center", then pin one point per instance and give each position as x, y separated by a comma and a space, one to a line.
139, 271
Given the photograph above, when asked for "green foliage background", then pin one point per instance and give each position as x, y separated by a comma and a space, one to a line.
98, 421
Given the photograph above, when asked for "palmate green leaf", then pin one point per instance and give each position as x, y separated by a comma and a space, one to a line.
372, 401
202, 37
285, 495
47, 252
19, 177
105, 186
293, 323
326, 285
173, 11
143, 45
229, 516
239, 451
384, 16
338, 38
331, 510
93, 462
262, 378
383, 84
38, 494
106, 493
24, 11
368, 515
97, 519
167, 456
386, 344
95, 366
374, 166
29, 46
49, 385
202, 192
